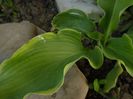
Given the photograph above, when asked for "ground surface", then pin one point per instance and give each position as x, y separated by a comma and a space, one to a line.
41, 12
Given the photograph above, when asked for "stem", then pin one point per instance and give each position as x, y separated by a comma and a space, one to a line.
107, 34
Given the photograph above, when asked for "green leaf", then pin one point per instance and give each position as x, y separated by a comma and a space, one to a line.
95, 35
130, 33
95, 57
40, 65
113, 10
74, 19
96, 85
111, 78
121, 49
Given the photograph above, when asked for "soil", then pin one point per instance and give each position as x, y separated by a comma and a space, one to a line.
124, 84
41, 12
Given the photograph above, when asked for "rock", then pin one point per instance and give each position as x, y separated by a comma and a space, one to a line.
13, 35
88, 6
75, 87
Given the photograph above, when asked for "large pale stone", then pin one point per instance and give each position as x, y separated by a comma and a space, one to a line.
88, 6
13, 35
75, 87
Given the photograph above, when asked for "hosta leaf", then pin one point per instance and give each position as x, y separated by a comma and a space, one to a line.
95, 35
95, 57
111, 78
40, 65
113, 10
74, 19
130, 33
96, 85
121, 49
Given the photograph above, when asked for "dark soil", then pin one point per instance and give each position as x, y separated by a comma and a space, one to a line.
124, 84
41, 12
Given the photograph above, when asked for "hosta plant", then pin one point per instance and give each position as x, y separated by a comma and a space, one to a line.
40, 65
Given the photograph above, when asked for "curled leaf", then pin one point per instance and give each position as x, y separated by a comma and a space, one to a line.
121, 49
95, 57
74, 19
113, 10
40, 65
111, 78
95, 35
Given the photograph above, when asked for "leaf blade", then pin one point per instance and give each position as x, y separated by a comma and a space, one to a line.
95, 57
40, 65
111, 78
113, 11
73, 19
121, 49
